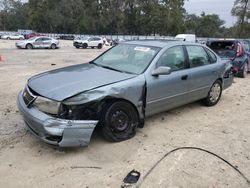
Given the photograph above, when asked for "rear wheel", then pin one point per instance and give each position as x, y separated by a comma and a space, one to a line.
29, 46
8, 38
214, 94
99, 46
119, 121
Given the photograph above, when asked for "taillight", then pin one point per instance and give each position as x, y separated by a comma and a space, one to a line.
239, 50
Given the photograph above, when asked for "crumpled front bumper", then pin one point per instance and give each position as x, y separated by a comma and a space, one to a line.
60, 132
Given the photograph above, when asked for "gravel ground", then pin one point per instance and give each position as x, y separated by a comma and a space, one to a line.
27, 162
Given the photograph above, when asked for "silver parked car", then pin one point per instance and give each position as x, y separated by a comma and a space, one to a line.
38, 42
118, 89
15, 36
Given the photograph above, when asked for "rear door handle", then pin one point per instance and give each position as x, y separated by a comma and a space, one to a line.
184, 77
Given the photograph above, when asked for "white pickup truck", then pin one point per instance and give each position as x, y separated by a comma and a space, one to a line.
92, 42
186, 37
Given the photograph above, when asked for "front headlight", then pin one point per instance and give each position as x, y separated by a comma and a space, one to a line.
47, 105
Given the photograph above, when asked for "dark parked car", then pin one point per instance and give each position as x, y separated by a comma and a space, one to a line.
117, 41
118, 89
235, 50
67, 37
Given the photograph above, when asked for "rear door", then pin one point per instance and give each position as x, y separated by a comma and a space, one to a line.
202, 72
168, 91
46, 42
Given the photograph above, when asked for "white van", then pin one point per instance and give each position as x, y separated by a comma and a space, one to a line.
186, 37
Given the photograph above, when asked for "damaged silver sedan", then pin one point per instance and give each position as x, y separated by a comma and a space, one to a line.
118, 89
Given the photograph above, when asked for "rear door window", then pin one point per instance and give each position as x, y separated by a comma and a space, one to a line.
213, 58
197, 56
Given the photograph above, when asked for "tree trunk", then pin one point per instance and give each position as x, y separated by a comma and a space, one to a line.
243, 18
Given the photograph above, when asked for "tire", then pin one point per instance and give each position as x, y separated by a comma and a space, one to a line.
53, 46
244, 72
214, 94
29, 46
99, 46
92, 47
119, 121
77, 47
84, 46
8, 38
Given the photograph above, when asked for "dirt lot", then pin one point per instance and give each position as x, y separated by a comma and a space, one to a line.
27, 162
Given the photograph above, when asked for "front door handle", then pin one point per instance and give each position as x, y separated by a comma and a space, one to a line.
184, 77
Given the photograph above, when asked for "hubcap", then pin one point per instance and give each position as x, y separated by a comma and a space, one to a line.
119, 121
215, 93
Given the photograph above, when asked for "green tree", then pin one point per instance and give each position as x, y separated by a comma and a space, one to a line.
241, 10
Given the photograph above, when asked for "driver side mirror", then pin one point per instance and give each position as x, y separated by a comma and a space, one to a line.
161, 71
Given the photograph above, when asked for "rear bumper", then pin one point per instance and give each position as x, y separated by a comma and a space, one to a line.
227, 82
60, 132
238, 66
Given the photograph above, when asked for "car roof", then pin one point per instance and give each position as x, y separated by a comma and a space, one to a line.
161, 43
224, 40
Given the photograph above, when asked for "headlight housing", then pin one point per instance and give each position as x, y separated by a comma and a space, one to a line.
46, 105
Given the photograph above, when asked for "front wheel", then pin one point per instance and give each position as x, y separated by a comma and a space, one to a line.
84, 46
214, 94
119, 121
29, 46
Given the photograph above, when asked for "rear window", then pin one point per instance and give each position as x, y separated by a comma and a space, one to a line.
223, 48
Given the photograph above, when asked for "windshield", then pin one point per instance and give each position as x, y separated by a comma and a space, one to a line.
224, 48
127, 58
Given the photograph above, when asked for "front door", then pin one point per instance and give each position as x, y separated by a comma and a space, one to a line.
38, 43
168, 91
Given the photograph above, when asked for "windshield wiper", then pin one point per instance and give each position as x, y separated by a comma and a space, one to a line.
92, 62
110, 68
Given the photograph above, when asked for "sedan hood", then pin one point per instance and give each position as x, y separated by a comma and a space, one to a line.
66, 82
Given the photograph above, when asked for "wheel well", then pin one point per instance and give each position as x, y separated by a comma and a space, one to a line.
28, 44
220, 79
109, 101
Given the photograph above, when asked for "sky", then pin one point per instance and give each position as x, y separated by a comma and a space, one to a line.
221, 7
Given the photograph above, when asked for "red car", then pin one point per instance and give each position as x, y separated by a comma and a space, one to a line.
28, 36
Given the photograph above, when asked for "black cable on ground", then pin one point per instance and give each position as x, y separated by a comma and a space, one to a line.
191, 148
